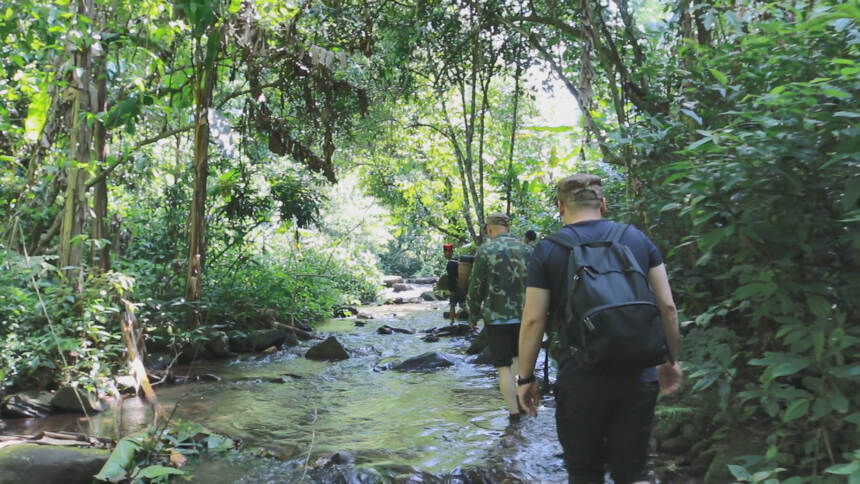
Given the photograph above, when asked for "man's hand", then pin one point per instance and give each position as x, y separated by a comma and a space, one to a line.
669, 376
529, 396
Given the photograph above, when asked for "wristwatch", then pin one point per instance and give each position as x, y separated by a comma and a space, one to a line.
526, 380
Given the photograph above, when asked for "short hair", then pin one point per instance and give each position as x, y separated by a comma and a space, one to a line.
530, 235
581, 190
497, 219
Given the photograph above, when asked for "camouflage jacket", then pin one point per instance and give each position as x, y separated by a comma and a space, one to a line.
497, 284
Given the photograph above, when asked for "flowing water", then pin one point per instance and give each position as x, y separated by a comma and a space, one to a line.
448, 425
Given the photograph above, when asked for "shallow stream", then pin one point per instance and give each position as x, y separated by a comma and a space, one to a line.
448, 425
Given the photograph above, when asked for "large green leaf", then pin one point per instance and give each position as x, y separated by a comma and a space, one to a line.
740, 472
795, 410
37, 114
156, 471
120, 461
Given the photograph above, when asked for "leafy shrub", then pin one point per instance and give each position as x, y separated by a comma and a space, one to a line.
305, 286
760, 181
52, 334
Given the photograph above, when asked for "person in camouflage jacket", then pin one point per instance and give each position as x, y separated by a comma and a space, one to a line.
496, 290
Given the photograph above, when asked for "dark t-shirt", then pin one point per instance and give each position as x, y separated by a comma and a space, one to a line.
548, 265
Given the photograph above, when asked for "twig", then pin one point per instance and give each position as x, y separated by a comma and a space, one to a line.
310, 448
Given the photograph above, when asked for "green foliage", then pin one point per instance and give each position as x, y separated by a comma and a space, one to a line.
51, 334
758, 174
301, 286
151, 454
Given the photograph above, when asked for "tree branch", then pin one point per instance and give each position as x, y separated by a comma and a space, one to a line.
120, 159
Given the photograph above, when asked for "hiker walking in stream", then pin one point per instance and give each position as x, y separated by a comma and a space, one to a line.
496, 290
616, 340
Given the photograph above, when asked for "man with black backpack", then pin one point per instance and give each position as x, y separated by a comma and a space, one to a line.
615, 335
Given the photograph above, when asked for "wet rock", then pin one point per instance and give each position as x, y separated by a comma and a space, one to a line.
430, 338
402, 287
301, 325
272, 337
360, 323
457, 329
20, 406
38, 464
421, 280
364, 316
278, 379
299, 333
429, 296
262, 339
386, 329
389, 281
68, 399
428, 361
218, 345
240, 344
338, 458
329, 350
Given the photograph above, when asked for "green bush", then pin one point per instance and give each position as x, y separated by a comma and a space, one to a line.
51, 335
304, 286
760, 190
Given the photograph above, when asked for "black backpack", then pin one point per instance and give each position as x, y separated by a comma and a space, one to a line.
608, 318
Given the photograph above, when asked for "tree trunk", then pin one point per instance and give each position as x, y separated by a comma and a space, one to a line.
204, 83
74, 213
100, 252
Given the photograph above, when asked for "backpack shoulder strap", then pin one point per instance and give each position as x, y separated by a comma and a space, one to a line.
562, 239
616, 232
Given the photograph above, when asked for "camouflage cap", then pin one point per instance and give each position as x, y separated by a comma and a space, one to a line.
580, 187
498, 219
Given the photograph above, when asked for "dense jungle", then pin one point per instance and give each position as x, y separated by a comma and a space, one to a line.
222, 226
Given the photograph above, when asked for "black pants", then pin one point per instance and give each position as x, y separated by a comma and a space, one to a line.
604, 420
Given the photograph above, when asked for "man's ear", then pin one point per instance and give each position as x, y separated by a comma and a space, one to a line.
602, 206
561, 208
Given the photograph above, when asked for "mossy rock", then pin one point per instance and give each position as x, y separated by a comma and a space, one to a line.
38, 464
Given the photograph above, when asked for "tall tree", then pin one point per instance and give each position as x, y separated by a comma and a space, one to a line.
80, 146
205, 19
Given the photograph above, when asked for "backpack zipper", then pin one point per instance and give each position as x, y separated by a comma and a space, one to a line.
586, 318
